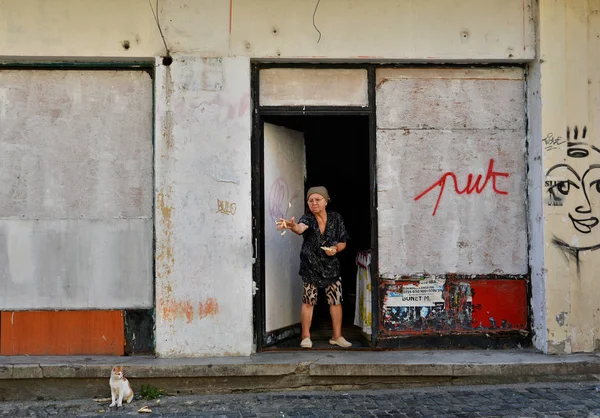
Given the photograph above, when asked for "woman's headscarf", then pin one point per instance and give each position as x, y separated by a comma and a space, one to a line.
318, 190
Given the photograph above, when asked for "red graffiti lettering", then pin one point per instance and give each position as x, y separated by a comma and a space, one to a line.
471, 186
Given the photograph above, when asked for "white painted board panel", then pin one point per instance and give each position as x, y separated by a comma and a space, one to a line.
76, 264
75, 144
313, 87
76, 191
450, 98
284, 193
475, 226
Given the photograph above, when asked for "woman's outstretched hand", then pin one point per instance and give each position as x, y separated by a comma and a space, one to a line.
292, 225
285, 224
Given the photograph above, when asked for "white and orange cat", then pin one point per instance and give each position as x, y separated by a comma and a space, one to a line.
120, 388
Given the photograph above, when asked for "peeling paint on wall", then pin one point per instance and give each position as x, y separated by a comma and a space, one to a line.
172, 310
164, 251
209, 307
167, 123
561, 318
563, 347
430, 304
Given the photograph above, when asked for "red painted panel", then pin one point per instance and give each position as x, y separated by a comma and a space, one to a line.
62, 333
498, 302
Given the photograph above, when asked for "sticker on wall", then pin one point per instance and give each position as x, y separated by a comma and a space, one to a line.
408, 303
426, 293
460, 304
555, 187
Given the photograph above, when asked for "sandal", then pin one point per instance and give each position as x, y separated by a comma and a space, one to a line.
306, 343
340, 342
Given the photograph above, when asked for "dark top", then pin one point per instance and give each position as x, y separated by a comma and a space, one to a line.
316, 267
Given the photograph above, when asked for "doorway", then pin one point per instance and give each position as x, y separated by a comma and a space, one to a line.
337, 156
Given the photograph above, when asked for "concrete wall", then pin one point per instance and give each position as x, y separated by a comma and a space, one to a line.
350, 29
75, 189
451, 171
203, 207
570, 132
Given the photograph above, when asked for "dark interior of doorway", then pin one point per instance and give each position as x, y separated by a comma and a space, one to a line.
337, 157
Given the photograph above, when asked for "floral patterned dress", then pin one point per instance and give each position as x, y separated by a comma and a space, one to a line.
316, 267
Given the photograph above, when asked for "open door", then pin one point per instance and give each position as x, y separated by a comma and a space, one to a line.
284, 176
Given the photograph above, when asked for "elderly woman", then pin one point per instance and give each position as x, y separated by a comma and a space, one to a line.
324, 237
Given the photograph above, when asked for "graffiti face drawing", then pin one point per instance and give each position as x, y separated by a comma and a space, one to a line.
575, 185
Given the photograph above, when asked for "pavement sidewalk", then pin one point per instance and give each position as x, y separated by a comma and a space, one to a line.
24, 377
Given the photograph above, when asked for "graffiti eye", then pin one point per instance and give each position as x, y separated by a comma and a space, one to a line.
595, 185
562, 187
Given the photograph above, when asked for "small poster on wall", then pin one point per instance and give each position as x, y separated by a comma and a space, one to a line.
407, 305
429, 292
427, 304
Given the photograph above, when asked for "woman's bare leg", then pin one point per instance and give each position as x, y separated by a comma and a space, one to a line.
306, 319
336, 320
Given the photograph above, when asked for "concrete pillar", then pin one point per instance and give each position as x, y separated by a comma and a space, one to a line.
203, 207
569, 41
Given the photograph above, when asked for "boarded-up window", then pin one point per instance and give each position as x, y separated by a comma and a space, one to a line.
451, 171
75, 189
313, 87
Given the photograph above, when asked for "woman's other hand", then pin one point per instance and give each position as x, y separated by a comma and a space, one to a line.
331, 251
334, 249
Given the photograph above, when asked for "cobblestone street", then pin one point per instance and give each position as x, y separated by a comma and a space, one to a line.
535, 400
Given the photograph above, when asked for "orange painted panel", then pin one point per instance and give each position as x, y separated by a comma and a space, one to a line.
62, 333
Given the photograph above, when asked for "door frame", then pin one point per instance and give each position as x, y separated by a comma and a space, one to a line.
258, 195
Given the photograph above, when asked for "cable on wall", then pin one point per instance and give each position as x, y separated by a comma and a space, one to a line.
313, 20
167, 60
